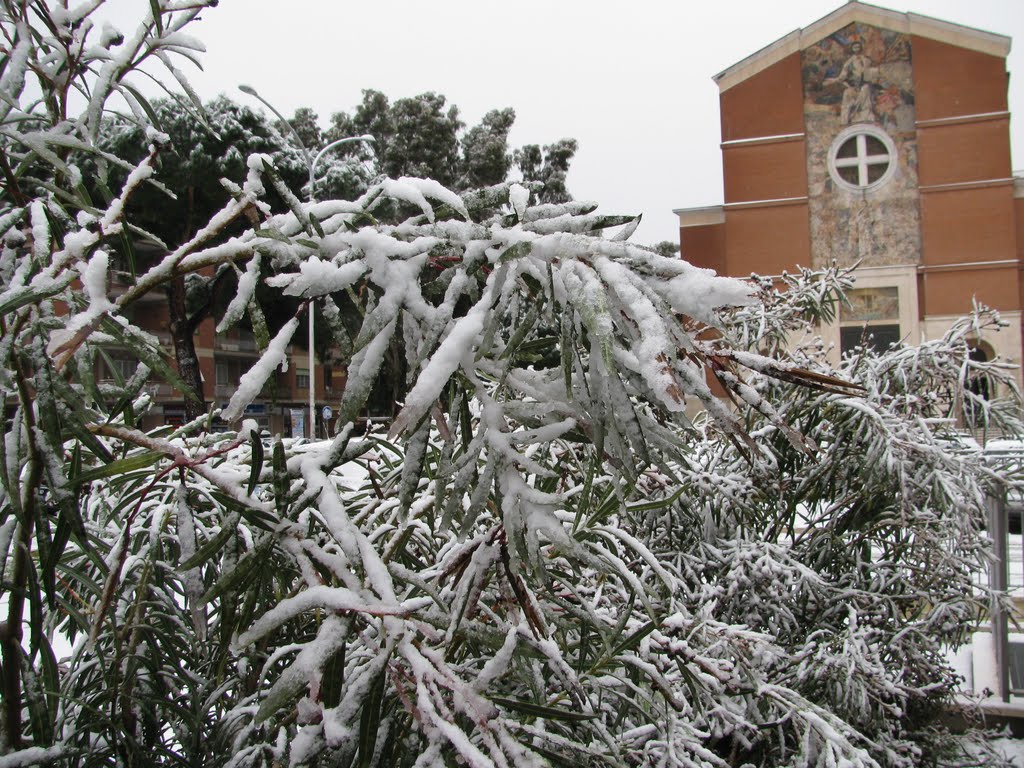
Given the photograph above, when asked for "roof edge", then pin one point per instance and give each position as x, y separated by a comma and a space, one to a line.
700, 217
855, 11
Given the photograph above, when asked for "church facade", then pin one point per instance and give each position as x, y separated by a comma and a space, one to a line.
877, 139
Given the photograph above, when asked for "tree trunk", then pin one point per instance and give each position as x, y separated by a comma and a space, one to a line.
182, 335
11, 652
183, 330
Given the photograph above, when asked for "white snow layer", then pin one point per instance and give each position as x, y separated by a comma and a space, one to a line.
317, 277
255, 378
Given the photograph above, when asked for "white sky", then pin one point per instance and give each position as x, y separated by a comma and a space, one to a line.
630, 81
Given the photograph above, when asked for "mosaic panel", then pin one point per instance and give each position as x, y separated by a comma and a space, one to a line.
861, 75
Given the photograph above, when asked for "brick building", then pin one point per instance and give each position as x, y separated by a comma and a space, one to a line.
282, 407
876, 138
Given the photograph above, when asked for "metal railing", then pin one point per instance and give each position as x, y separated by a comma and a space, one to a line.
239, 343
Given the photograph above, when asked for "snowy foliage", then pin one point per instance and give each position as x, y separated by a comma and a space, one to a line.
423, 136
199, 150
544, 562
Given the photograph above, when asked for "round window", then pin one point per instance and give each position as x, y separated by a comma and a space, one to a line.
862, 157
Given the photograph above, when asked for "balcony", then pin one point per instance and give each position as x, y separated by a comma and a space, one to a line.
223, 392
160, 390
236, 340
118, 283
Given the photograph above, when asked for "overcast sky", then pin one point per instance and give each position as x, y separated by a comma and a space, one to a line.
631, 81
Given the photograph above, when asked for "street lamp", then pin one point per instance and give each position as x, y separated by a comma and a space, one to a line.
311, 167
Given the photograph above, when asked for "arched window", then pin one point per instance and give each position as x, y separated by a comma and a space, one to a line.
977, 382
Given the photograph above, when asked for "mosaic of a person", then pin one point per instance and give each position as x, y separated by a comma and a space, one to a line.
856, 76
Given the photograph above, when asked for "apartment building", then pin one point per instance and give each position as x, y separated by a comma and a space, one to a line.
282, 407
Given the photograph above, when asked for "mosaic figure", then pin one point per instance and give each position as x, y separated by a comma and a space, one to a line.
857, 76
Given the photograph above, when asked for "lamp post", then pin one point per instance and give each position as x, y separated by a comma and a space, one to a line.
311, 163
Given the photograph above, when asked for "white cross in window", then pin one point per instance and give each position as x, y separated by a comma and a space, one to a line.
861, 159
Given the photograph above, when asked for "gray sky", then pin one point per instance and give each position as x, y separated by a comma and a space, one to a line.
630, 80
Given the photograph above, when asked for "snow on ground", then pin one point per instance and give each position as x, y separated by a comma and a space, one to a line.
1012, 749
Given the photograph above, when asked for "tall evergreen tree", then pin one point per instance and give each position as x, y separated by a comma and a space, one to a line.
486, 159
416, 136
421, 136
550, 167
305, 123
202, 149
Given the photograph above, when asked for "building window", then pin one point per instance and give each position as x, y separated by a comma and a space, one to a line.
978, 383
302, 378
222, 374
870, 318
876, 337
119, 368
862, 157
328, 377
1016, 654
